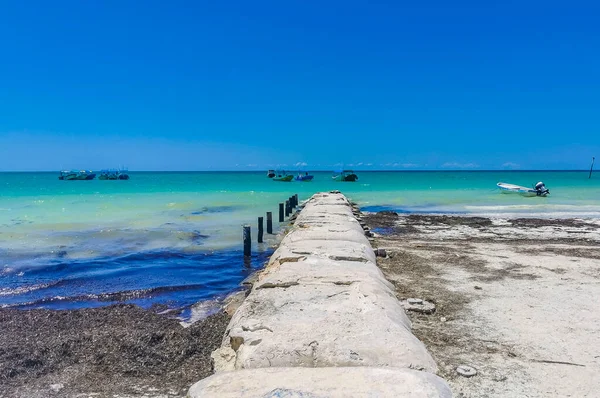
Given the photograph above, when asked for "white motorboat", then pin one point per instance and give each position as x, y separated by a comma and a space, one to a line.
538, 189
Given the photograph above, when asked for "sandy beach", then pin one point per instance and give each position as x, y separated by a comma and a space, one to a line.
514, 299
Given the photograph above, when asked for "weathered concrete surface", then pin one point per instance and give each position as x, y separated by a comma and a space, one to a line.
321, 383
322, 302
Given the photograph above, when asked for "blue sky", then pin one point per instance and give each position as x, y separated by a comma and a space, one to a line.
178, 85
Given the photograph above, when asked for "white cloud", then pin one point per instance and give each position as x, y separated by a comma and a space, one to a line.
456, 165
251, 165
511, 165
369, 164
301, 164
397, 164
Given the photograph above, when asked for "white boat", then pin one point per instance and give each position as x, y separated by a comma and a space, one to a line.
538, 190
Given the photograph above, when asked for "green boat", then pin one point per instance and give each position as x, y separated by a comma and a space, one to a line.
283, 176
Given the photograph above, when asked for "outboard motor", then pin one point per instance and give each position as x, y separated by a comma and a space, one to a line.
541, 189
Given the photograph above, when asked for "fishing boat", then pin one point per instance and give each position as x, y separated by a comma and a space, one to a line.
345, 176
538, 189
113, 174
76, 175
282, 176
304, 177
271, 173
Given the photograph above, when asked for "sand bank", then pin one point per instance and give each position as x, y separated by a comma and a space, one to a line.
515, 298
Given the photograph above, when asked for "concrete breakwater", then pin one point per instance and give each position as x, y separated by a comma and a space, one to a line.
322, 321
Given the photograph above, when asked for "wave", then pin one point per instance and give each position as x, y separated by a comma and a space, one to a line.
117, 297
7, 291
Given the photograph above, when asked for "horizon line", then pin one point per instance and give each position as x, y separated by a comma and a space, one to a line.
317, 171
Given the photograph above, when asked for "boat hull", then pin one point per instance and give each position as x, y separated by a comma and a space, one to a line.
284, 178
76, 175
518, 190
113, 174
346, 178
304, 178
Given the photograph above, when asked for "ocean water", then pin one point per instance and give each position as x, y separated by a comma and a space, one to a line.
175, 238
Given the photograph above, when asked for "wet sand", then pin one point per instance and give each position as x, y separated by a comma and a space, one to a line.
116, 351
514, 298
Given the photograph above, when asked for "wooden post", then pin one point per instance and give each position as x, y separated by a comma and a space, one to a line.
296, 200
592, 167
281, 212
287, 208
260, 229
291, 199
247, 241
269, 222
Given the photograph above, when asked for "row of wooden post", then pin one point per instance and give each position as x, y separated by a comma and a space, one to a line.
285, 210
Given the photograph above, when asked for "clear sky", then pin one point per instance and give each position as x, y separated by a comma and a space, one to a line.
227, 85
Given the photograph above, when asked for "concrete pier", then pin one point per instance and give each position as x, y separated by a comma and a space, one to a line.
322, 321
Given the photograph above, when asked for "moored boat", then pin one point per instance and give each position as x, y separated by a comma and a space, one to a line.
345, 176
113, 174
538, 189
76, 175
304, 177
282, 176
271, 173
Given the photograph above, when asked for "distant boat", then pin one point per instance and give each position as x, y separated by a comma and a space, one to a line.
304, 177
539, 189
76, 175
282, 176
108, 175
113, 174
271, 173
346, 176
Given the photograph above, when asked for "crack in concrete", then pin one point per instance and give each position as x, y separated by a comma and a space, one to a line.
274, 285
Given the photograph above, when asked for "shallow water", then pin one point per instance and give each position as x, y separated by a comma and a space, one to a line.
174, 238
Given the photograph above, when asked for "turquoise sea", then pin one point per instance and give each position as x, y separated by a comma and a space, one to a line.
175, 238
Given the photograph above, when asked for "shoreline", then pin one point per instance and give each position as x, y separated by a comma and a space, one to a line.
420, 230
534, 214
